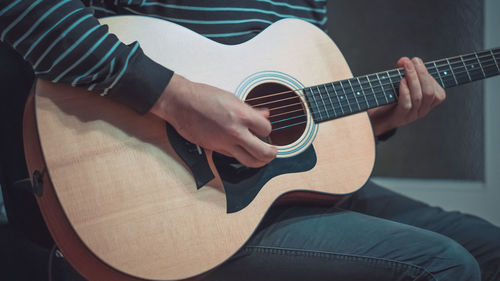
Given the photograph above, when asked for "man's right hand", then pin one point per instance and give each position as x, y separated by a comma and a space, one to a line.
216, 120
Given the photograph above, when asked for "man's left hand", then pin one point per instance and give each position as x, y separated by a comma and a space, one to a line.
419, 92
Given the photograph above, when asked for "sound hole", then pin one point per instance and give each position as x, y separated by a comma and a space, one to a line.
287, 112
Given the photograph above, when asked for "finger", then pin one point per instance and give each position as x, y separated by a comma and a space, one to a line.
258, 122
414, 86
404, 102
258, 149
264, 112
427, 86
401, 62
380, 111
440, 96
246, 158
225, 152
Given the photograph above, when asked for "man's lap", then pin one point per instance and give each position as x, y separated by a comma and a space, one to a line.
479, 237
374, 235
368, 237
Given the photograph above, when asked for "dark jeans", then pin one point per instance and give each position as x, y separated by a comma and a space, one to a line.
375, 235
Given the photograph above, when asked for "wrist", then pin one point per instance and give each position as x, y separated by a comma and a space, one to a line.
381, 125
166, 103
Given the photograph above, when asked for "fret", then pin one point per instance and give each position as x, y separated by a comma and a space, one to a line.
475, 72
439, 74
323, 101
459, 70
335, 100
376, 89
431, 69
381, 88
354, 95
317, 111
346, 94
445, 73
338, 98
396, 74
394, 88
385, 83
389, 86
496, 55
465, 68
452, 72
495, 60
363, 92
346, 108
331, 102
479, 62
357, 92
371, 98
401, 72
488, 63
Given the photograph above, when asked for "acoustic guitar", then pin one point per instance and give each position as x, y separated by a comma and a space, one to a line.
127, 198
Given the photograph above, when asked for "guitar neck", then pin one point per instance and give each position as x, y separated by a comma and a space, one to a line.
341, 98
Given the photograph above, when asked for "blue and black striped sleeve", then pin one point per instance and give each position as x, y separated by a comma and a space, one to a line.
65, 43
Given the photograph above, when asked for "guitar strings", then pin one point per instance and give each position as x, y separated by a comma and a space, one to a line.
490, 56
399, 76
372, 97
304, 115
361, 85
394, 85
350, 104
376, 97
433, 70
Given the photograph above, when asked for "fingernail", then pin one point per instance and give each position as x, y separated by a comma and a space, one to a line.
417, 61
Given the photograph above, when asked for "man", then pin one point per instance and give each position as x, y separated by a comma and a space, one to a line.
361, 239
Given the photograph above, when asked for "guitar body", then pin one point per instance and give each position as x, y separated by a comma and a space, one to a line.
123, 205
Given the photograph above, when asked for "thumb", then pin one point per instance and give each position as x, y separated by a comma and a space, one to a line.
260, 125
264, 112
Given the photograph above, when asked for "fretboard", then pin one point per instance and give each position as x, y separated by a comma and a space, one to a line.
341, 98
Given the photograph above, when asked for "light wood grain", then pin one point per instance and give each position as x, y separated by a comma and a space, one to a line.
126, 193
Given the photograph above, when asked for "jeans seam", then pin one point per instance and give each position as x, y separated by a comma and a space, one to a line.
321, 254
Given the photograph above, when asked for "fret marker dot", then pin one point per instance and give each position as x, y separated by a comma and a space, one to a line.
445, 73
358, 93
472, 66
341, 97
390, 96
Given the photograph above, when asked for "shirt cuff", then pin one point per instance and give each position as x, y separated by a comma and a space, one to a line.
385, 136
142, 83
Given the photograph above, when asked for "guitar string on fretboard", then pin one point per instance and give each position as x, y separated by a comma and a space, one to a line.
380, 89
341, 98
375, 90
493, 64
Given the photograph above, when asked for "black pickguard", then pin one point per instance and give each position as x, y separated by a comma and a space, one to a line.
193, 157
241, 183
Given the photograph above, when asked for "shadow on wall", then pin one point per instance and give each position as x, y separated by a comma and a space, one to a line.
373, 35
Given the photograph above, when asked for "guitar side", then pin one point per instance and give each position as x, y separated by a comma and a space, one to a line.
127, 195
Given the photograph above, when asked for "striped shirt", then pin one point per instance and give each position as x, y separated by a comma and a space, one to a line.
64, 42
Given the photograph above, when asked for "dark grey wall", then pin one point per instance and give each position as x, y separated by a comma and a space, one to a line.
374, 34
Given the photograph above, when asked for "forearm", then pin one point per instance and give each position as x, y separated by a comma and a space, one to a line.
65, 43
380, 124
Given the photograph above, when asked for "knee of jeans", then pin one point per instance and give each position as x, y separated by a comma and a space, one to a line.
461, 263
